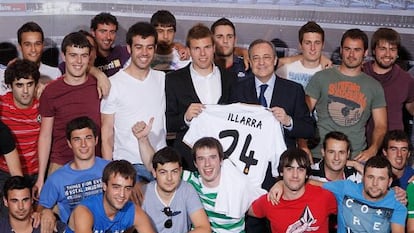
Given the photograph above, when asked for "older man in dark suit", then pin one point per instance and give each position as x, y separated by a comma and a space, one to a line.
284, 98
189, 88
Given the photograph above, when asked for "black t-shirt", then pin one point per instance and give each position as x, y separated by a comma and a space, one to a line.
6, 139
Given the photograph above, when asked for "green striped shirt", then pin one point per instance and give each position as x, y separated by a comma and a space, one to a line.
220, 223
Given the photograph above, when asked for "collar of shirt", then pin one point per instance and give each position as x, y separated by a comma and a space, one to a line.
208, 88
269, 90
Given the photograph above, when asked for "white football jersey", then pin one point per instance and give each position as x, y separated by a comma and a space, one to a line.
251, 136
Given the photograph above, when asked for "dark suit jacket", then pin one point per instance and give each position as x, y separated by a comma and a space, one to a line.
287, 95
180, 93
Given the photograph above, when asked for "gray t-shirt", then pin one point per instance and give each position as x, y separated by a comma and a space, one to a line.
344, 104
184, 203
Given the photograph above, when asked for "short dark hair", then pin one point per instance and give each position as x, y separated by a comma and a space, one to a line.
75, 39
166, 155
379, 161
355, 34
311, 26
223, 22
103, 18
8, 52
337, 136
395, 135
294, 154
163, 18
81, 123
121, 167
16, 182
386, 34
261, 41
198, 31
29, 27
142, 29
208, 142
19, 69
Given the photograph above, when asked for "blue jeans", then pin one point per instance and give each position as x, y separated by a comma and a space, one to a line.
143, 175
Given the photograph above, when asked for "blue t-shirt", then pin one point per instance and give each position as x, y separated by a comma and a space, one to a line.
123, 219
356, 214
67, 187
403, 181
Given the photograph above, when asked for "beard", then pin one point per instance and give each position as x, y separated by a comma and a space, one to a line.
382, 65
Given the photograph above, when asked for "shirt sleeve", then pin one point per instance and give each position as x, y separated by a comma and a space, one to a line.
7, 143
260, 206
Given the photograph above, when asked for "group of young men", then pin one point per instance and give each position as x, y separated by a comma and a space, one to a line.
226, 155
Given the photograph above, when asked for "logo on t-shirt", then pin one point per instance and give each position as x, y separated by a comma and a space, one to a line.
360, 217
346, 103
304, 223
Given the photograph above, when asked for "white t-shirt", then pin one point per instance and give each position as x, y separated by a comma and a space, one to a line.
133, 100
49, 72
296, 72
251, 136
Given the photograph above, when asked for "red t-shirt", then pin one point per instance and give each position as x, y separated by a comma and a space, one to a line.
25, 127
313, 207
65, 102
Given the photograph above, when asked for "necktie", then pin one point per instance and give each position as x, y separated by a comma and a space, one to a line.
262, 99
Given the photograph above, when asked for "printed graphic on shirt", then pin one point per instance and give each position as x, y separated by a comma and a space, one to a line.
115, 64
251, 137
304, 223
301, 78
346, 103
360, 217
77, 192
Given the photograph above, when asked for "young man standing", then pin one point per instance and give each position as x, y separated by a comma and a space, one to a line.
31, 41
345, 98
18, 199
189, 88
137, 94
109, 59
224, 35
78, 179
70, 96
302, 207
111, 211
311, 41
398, 84
183, 211
167, 56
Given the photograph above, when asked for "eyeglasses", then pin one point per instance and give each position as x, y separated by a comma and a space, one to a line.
168, 223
